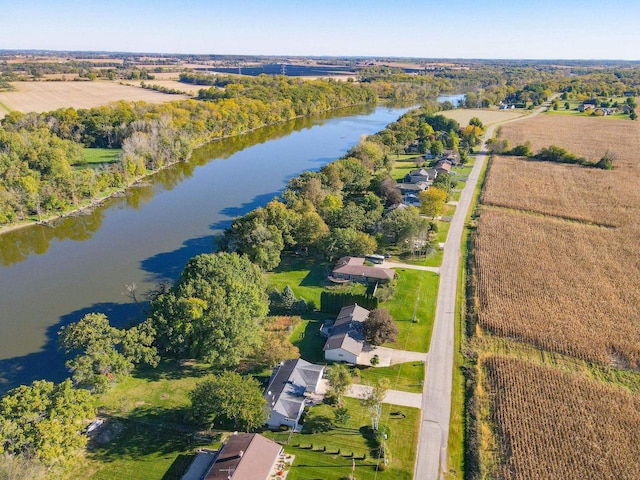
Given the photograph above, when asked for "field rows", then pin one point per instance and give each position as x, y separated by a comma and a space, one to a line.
552, 424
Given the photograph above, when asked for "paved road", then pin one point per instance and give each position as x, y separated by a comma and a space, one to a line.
431, 462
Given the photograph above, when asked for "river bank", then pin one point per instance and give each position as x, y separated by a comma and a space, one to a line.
100, 199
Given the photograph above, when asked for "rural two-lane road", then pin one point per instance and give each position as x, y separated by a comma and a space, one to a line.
431, 461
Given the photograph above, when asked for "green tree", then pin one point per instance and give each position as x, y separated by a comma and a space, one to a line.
213, 311
348, 241
380, 327
287, 298
103, 353
341, 416
339, 382
401, 226
228, 400
433, 200
45, 420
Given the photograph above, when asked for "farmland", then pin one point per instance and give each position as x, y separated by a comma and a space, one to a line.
556, 268
463, 115
46, 96
554, 424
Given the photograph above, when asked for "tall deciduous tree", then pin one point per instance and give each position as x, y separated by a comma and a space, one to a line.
104, 353
433, 200
380, 327
213, 312
44, 420
228, 400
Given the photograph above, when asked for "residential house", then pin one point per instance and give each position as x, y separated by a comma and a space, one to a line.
418, 175
452, 157
286, 392
245, 456
586, 106
346, 339
443, 166
353, 269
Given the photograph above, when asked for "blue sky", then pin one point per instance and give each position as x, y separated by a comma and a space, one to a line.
561, 29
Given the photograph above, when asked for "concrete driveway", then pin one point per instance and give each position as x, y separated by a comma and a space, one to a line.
387, 264
389, 356
394, 397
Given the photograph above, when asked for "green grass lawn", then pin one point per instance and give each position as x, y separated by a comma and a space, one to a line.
308, 278
403, 166
330, 465
407, 377
96, 156
413, 284
306, 336
141, 452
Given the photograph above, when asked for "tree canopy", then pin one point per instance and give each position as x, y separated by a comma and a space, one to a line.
213, 311
228, 400
45, 420
104, 353
380, 327
339, 381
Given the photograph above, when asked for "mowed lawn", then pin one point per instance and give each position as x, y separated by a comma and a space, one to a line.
323, 460
407, 377
98, 156
415, 291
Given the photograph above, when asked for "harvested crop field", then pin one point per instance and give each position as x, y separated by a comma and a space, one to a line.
588, 137
463, 115
551, 424
172, 84
46, 96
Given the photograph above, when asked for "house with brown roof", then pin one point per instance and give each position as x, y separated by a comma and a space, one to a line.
287, 390
346, 338
353, 269
245, 456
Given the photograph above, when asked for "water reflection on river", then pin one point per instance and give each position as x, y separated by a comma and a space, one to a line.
51, 276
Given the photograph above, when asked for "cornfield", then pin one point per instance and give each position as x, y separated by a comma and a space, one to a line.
557, 425
563, 286
559, 264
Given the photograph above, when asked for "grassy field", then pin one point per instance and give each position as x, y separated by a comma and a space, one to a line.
463, 115
312, 463
407, 377
414, 287
142, 452
46, 96
307, 278
99, 156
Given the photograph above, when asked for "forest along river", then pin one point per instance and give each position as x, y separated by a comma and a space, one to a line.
50, 276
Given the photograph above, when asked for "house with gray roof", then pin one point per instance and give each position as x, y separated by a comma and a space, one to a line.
287, 391
346, 339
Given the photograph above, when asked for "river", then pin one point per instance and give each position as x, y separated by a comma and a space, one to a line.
51, 276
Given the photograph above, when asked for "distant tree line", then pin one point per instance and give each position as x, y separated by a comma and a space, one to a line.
41, 153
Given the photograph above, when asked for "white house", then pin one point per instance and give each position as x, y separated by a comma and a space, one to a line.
346, 340
287, 389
